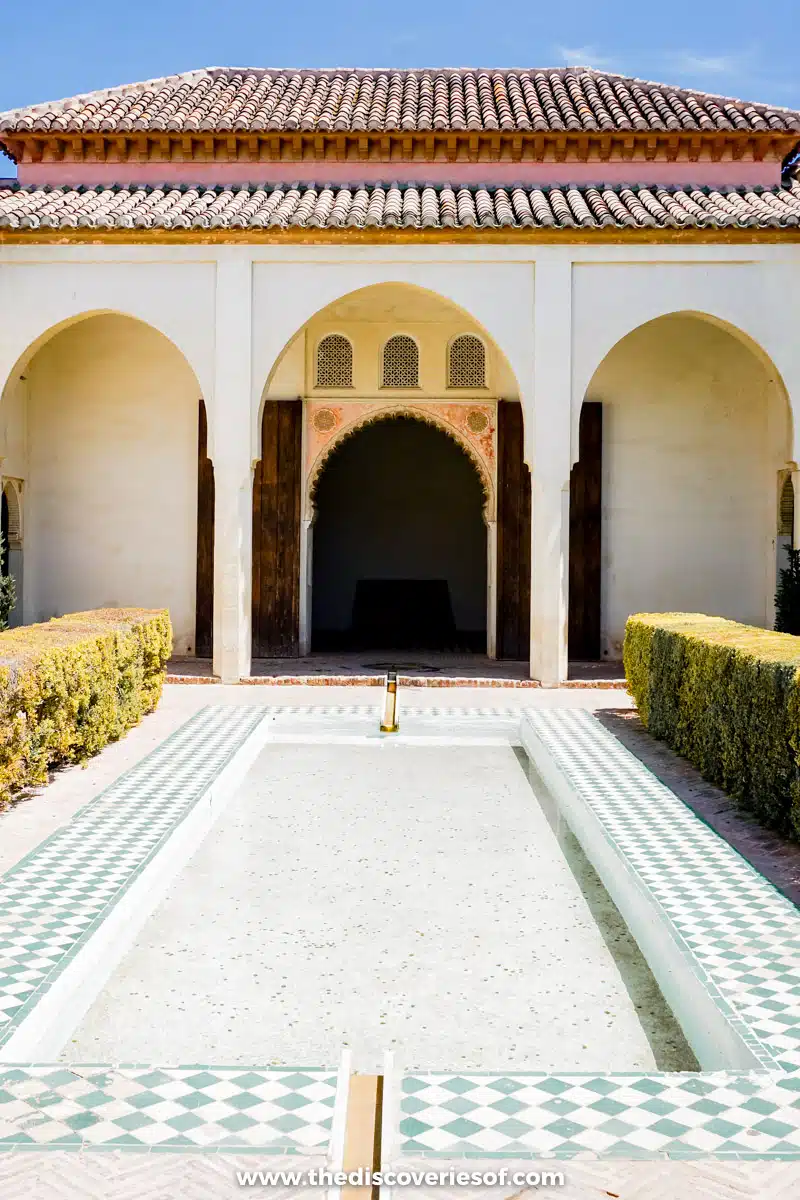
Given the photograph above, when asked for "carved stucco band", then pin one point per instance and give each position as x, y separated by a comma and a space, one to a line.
325, 434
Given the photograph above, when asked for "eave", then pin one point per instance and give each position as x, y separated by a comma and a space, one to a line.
418, 146
383, 237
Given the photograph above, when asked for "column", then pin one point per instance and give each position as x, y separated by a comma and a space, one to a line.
547, 451
796, 530
230, 422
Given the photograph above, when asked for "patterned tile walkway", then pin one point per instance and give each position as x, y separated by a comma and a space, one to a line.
739, 936
55, 898
52, 902
737, 932
743, 937
281, 1110
627, 1116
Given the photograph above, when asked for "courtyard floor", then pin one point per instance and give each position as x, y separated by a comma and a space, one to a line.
382, 897
357, 896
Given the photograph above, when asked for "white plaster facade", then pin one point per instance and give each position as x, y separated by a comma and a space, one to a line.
98, 416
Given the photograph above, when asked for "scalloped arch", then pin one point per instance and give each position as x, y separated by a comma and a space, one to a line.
426, 417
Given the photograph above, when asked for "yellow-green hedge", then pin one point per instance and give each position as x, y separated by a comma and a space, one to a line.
70, 686
727, 697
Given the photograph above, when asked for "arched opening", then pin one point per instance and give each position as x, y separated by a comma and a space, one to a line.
409, 418
11, 543
695, 429
399, 543
4, 543
101, 423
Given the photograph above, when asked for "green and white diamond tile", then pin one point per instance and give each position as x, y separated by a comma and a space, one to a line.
282, 1110
56, 897
629, 1116
742, 934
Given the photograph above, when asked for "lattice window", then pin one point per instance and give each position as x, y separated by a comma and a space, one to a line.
786, 521
401, 362
334, 362
467, 366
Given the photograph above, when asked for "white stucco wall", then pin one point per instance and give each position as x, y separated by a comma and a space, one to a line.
112, 474
695, 431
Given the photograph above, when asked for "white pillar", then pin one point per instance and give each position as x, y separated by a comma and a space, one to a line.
548, 452
796, 530
231, 451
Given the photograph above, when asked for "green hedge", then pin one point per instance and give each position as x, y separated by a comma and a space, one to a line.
727, 697
70, 686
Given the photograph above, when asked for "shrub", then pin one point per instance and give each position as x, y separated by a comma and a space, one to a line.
787, 597
727, 697
70, 686
8, 598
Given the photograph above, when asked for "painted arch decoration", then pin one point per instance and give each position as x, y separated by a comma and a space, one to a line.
473, 426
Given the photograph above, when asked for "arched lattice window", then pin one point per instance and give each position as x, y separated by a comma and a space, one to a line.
401, 362
786, 513
334, 362
467, 364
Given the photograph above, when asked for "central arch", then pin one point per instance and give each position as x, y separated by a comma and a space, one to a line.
328, 386
400, 541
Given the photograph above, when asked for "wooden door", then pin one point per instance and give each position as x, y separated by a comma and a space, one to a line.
513, 536
204, 598
585, 515
276, 532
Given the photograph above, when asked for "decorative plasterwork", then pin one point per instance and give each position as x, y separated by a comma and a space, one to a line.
472, 425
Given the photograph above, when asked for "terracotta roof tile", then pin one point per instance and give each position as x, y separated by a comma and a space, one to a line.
391, 206
566, 99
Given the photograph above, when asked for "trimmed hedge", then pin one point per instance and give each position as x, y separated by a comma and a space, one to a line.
727, 697
70, 686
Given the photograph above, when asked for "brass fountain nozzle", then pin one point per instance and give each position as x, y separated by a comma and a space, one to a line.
389, 723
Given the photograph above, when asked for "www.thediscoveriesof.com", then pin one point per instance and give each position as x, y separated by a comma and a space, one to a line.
364, 1177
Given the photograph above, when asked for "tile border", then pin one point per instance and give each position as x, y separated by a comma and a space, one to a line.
207, 1109
81, 939
735, 946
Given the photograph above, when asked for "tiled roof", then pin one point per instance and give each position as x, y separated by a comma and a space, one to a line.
392, 206
230, 100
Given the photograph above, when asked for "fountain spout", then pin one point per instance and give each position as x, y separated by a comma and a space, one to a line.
389, 723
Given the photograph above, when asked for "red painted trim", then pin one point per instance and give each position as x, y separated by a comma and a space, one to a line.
497, 174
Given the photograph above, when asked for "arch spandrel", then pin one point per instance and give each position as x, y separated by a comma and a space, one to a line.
585, 390
757, 303
17, 357
497, 298
329, 425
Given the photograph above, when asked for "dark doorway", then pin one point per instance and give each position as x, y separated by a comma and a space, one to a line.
399, 550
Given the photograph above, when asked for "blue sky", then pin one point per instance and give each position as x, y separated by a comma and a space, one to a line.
53, 49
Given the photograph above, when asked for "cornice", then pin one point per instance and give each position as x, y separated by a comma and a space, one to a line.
399, 147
